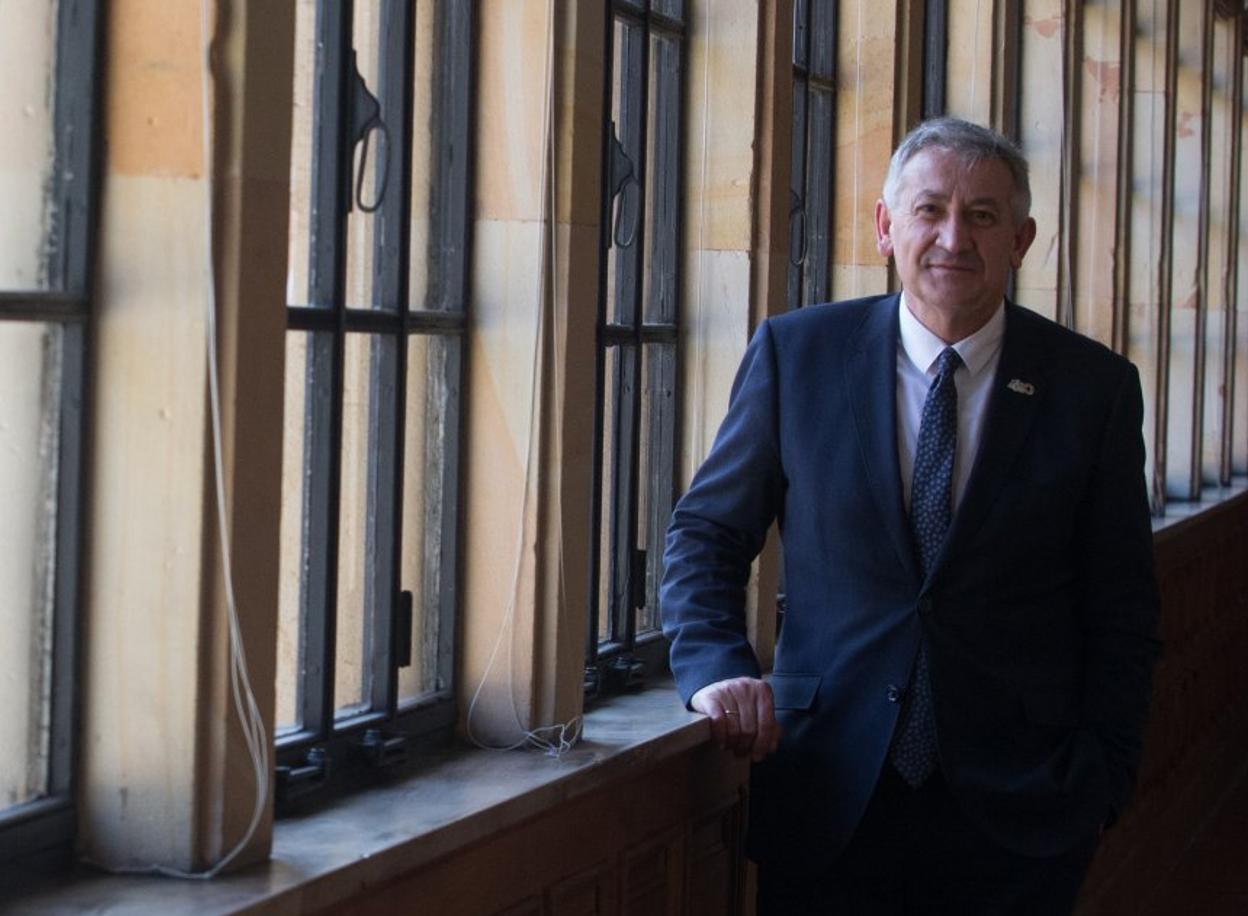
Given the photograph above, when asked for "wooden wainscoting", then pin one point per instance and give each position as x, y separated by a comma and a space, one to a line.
666, 840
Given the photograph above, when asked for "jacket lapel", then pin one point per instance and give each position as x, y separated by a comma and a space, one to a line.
1017, 390
871, 381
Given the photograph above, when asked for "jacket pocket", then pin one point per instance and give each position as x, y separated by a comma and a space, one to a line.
795, 691
1053, 708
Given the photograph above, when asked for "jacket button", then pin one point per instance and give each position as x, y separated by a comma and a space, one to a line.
894, 693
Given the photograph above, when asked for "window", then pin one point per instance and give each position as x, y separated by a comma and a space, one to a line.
814, 127
638, 314
48, 55
377, 286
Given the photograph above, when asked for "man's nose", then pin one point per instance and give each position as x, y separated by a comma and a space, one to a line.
953, 235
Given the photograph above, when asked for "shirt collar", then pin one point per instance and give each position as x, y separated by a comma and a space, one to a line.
922, 347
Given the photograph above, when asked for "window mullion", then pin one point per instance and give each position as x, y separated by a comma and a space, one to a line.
636, 78
331, 189
601, 421
71, 269
389, 380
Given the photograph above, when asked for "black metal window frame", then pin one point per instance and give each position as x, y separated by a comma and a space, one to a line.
637, 338
935, 57
813, 163
329, 748
40, 833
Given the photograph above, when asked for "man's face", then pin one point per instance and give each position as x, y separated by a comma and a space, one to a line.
953, 238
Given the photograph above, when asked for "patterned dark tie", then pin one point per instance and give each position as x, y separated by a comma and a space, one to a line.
931, 507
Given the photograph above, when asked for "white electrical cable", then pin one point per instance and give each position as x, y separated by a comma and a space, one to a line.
559, 738
241, 691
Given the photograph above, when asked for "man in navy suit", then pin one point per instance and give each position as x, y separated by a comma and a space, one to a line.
962, 675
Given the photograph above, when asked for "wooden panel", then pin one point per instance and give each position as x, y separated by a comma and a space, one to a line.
585, 894
530, 906
713, 885
1197, 734
650, 876
619, 849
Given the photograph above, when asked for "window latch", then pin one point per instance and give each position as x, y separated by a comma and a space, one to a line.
383, 751
295, 781
403, 632
637, 580
797, 229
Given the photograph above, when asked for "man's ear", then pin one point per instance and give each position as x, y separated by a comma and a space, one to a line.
883, 230
1023, 238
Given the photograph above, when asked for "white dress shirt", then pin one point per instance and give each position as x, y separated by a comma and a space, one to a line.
917, 352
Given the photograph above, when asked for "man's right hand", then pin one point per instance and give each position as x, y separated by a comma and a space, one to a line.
742, 714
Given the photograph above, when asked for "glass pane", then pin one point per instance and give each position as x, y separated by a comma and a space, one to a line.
611, 461
627, 98
27, 63
801, 33
798, 217
356, 646
1182, 433
823, 35
1144, 296
30, 385
658, 429
293, 562
360, 223
1239, 391
301, 154
422, 156
663, 137
430, 364
672, 8
1217, 328
819, 196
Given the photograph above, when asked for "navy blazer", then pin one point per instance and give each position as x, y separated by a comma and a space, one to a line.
1040, 614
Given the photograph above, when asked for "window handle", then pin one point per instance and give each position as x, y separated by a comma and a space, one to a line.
363, 119
403, 632
797, 229
622, 176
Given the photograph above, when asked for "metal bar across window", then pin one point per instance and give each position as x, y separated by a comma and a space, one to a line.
306, 318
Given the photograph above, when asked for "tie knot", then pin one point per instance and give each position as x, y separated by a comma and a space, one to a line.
948, 361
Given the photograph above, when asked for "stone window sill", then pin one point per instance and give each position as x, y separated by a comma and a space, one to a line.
358, 843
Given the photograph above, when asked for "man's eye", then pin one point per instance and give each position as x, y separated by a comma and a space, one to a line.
927, 209
983, 217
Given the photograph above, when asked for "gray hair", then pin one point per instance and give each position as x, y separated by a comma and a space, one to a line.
971, 143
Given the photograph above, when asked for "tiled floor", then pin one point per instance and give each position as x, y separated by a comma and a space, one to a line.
1211, 877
